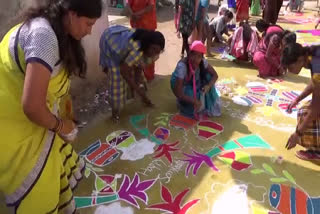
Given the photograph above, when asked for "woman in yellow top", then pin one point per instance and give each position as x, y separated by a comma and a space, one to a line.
39, 169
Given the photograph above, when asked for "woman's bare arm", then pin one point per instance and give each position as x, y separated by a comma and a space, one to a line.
34, 98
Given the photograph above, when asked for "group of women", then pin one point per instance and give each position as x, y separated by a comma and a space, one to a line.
265, 50
191, 19
277, 53
193, 81
39, 55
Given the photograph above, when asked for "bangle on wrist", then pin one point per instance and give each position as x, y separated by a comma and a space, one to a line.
57, 124
60, 126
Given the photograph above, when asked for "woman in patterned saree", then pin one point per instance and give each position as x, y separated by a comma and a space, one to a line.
124, 52
296, 57
39, 168
186, 22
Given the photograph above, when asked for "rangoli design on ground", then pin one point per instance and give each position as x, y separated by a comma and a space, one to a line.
100, 154
237, 160
172, 205
275, 178
293, 200
273, 98
166, 150
197, 159
129, 192
208, 129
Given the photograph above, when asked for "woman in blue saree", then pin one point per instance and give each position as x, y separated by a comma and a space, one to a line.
193, 82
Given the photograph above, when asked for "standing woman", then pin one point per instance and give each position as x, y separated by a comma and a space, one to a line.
232, 6
242, 13
271, 10
202, 21
186, 23
39, 168
296, 57
255, 8
143, 16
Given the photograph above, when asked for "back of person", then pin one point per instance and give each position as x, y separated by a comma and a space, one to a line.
274, 29
118, 37
147, 20
247, 31
216, 21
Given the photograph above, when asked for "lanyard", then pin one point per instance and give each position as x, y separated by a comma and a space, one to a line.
193, 73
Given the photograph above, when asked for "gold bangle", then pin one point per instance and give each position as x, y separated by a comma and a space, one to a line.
56, 126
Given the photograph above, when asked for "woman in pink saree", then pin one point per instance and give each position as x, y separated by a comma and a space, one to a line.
244, 42
267, 57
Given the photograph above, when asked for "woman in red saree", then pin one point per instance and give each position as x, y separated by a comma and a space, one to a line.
143, 15
242, 10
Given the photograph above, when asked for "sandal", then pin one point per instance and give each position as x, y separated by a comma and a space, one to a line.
308, 155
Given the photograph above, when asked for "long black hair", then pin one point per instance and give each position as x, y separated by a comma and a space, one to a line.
247, 31
263, 26
148, 38
290, 38
293, 51
281, 35
71, 52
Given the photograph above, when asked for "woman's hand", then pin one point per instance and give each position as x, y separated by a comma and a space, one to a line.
197, 104
69, 131
292, 105
282, 71
206, 88
293, 141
